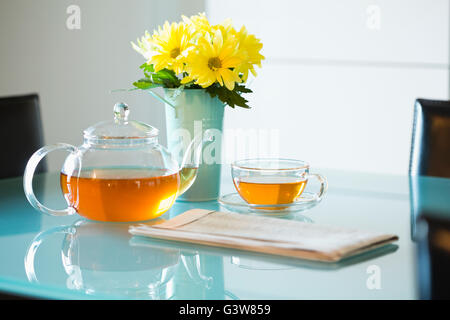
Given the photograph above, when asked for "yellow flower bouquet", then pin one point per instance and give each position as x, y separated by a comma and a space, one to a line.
193, 54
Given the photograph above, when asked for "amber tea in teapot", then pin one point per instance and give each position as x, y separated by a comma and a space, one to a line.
149, 193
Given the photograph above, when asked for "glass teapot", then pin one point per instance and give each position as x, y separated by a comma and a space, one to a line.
120, 173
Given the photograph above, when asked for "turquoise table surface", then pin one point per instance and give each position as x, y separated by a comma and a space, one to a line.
72, 258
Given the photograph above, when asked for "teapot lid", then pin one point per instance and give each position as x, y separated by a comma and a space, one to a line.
120, 128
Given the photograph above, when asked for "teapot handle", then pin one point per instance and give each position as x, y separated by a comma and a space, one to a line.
37, 241
28, 179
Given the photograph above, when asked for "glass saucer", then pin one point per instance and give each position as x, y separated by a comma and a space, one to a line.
234, 202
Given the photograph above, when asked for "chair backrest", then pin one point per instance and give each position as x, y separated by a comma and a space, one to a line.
430, 146
21, 132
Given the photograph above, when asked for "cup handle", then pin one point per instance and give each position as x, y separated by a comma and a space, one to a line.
28, 179
323, 185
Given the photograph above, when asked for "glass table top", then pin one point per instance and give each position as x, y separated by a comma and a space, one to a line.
73, 258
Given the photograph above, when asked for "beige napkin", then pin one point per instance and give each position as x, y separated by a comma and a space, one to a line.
264, 234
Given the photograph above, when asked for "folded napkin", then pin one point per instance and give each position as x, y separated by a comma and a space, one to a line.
264, 234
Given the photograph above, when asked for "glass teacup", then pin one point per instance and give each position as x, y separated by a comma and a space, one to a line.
273, 181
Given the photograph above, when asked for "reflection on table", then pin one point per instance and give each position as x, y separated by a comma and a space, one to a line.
430, 227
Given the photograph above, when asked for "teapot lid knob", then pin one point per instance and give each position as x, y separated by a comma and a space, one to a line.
120, 129
121, 112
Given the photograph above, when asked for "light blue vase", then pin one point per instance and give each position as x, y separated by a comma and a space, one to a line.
193, 111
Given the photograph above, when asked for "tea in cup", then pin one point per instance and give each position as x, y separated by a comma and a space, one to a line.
273, 181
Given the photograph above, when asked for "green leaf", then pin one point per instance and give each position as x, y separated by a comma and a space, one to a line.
166, 77
192, 85
144, 84
242, 89
147, 67
232, 98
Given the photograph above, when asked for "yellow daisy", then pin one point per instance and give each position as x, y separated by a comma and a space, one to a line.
198, 23
145, 46
249, 46
214, 60
200, 26
172, 44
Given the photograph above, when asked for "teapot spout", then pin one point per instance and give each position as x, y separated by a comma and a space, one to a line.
191, 161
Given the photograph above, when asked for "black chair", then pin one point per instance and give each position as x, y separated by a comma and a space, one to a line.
21, 132
429, 194
430, 147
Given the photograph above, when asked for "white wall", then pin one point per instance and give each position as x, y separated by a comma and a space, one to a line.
74, 70
338, 90
341, 77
